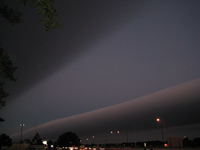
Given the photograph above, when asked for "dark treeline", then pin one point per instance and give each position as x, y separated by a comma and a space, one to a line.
149, 144
186, 143
191, 143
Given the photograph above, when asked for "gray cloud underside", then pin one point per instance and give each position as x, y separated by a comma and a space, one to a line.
180, 102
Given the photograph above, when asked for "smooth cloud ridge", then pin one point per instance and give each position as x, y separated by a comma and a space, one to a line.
180, 102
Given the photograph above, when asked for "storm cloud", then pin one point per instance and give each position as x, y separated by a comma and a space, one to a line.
180, 102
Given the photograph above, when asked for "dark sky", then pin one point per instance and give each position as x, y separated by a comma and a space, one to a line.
105, 53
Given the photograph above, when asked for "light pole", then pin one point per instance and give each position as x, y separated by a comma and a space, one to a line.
87, 140
93, 138
162, 127
21, 125
134, 134
113, 132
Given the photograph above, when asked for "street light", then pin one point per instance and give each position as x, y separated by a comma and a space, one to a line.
87, 140
21, 125
162, 127
116, 132
113, 132
93, 138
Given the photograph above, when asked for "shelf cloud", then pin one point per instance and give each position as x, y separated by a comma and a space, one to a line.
180, 102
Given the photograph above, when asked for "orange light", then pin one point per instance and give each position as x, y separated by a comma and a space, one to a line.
158, 119
117, 131
165, 144
111, 131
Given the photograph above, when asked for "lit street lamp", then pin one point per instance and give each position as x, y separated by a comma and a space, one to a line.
113, 132
162, 127
87, 140
93, 138
21, 125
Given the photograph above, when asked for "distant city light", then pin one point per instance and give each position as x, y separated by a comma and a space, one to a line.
145, 144
44, 142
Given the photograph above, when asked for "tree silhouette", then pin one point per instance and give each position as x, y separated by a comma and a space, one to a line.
43, 7
6, 72
68, 139
5, 140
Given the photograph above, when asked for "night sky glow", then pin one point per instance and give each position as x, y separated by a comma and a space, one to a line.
106, 54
